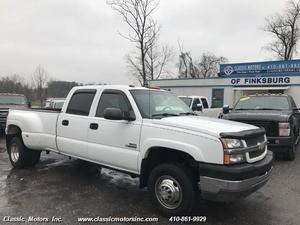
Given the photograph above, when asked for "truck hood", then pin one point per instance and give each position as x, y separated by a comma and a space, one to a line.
258, 115
202, 124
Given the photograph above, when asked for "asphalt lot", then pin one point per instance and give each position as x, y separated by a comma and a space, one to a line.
68, 189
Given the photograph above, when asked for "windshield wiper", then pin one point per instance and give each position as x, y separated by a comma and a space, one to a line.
189, 114
243, 109
164, 114
268, 109
260, 109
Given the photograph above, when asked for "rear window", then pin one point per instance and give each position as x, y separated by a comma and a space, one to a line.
81, 102
263, 103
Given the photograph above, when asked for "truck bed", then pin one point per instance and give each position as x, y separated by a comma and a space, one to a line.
43, 134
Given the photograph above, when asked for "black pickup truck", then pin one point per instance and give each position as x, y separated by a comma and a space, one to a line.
278, 114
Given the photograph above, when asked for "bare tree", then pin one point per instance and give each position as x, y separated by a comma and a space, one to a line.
40, 78
285, 30
143, 29
208, 64
157, 61
186, 66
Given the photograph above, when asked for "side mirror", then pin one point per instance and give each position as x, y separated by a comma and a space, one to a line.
117, 114
225, 109
113, 114
199, 107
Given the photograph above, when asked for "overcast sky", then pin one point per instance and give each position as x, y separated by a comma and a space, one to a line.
78, 40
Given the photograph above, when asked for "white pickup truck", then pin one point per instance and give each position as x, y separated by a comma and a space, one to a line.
151, 134
200, 105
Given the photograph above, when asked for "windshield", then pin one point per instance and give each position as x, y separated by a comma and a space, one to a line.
158, 104
263, 103
186, 100
12, 100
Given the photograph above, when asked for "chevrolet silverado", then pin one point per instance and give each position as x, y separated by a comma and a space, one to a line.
151, 134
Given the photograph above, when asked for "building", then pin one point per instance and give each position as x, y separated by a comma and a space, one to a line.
236, 80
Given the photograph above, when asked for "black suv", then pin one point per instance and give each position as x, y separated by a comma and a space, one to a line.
278, 114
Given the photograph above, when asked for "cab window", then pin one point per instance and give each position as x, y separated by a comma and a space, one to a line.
81, 102
112, 100
205, 103
195, 103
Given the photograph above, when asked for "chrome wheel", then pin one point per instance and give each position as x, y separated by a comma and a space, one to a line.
168, 192
14, 152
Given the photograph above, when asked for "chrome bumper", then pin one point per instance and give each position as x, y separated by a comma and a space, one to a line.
227, 190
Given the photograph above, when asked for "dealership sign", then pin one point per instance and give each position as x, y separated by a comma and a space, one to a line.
261, 81
261, 68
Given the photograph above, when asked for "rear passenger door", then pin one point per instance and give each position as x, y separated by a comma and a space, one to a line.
73, 124
110, 142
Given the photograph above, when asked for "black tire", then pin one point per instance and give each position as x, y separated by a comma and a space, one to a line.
35, 157
180, 178
291, 152
20, 156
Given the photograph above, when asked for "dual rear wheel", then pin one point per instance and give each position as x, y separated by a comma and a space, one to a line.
20, 156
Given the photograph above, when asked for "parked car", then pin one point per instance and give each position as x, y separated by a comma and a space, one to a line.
150, 134
11, 101
48, 101
278, 114
200, 105
56, 104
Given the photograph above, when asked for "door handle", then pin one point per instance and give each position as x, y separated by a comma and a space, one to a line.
65, 122
94, 126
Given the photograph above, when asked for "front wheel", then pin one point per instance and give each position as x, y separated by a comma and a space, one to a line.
172, 189
20, 156
291, 152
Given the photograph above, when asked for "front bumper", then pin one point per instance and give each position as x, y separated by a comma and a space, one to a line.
229, 183
279, 144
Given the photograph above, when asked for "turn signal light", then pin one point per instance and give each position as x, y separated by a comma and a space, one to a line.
226, 159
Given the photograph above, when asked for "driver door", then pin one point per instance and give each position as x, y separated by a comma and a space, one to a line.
111, 142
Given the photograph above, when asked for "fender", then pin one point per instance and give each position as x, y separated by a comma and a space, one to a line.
193, 151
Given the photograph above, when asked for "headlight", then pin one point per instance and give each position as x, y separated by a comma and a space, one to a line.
229, 144
284, 129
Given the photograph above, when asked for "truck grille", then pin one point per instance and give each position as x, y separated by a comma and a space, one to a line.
252, 141
259, 142
271, 127
256, 153
3, 115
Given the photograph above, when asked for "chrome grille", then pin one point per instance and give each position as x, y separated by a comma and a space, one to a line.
256, 141
252, 141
